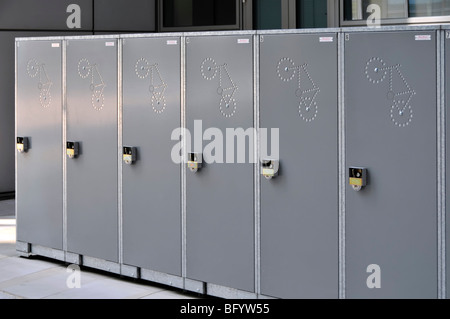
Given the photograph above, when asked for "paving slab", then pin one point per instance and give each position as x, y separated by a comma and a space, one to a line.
104, 289
14, 267
4, 295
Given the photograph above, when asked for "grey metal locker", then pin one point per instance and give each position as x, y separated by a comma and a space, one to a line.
39, 143
219, 196
152, 181
390, 135
299, 207
92, 132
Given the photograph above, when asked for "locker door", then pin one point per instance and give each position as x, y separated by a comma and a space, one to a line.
299, 207
220, 219
151, 184
390, 120
92, 217
39, 120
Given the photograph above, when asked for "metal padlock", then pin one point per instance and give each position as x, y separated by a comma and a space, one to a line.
357, 177
270, 168
72, 149
129, 155
195, 161
22, 144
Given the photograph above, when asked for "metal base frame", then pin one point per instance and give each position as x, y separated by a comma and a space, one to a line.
266, 297
194, 286
162, 278
228, 293
23, 247
74, 258
27, 250
48, 252
130, 271
101, 264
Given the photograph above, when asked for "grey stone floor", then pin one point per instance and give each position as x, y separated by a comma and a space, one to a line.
41, 278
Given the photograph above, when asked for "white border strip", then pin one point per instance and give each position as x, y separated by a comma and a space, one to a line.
64, 139
440, 44
119, 149
341, 169
256, 154
183, 159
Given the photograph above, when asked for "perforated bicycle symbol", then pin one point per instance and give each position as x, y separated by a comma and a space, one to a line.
157, 85
307, 89
399, 91
97, 86
35, 69
226, 89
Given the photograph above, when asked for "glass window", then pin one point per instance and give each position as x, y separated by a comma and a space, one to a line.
428, 8
266, 14
199, 13
396, 9
390, 9
311, 13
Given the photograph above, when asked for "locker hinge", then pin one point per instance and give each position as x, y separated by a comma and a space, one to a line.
347, 37
447, 34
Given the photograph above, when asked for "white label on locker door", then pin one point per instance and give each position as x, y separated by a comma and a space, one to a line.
109, 44
172, 42
55, 45
243, 41
423, 37
326, 39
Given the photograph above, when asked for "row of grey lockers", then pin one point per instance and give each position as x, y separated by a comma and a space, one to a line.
339, 192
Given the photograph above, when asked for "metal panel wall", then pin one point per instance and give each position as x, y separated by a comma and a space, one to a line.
39, 118
113, 15
390, 120
219, 197
92, 193
45, 15
152, 185
299, 208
